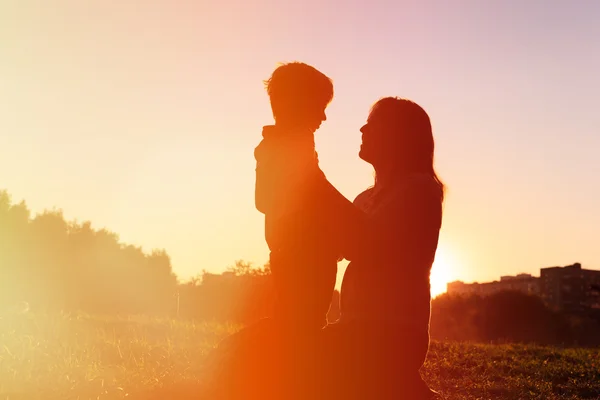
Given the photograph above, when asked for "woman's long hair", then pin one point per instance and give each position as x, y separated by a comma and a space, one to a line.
414, 136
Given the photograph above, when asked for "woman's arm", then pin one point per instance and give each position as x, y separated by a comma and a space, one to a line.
344, 222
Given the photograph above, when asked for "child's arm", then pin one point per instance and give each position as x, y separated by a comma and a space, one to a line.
266, 170
262, 200
285, 165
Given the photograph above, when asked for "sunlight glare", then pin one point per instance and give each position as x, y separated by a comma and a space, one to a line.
441, 272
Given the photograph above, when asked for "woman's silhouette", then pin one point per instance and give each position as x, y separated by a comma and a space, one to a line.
382, 337
390, 235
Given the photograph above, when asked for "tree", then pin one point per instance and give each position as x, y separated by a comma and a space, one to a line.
55, 264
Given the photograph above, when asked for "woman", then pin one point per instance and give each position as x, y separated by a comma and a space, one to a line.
382, 337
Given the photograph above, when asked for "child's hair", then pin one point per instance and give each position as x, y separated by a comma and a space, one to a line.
296, 82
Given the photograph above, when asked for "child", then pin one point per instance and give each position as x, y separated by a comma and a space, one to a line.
303, 259
305, 217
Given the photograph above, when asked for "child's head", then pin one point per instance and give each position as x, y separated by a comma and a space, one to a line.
299, 95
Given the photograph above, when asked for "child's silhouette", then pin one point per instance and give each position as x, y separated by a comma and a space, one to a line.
302, 259
306, 223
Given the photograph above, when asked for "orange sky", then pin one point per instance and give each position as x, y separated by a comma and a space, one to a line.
143, 118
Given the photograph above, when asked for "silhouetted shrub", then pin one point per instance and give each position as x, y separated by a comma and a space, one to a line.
508, 317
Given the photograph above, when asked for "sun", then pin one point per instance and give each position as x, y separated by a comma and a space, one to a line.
441, 272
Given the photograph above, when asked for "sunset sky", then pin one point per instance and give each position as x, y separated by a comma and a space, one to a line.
142, 116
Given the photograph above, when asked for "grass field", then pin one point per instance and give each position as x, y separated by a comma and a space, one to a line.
82, 357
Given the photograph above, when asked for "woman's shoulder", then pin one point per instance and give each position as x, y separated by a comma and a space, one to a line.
422, 185
363, 200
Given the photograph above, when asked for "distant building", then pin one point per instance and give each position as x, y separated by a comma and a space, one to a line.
570, 288
524, 283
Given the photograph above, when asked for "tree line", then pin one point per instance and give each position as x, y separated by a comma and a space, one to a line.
510, 316
54, 264
58, 265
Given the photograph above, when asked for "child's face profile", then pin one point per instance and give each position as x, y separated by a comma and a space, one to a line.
306, 114
314, 115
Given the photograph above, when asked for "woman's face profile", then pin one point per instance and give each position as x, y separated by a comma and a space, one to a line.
374, 134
